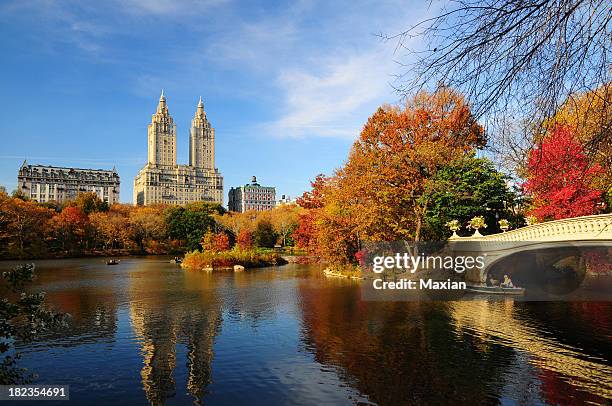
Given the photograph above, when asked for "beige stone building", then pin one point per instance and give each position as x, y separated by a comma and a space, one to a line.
45, 183
162, 180
251, 196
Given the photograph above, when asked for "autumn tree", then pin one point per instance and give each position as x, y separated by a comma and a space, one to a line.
221, 242
284, 219
314, 198
111, 228
561, 178
306, 232
387, 176
70, 228
23, 227
336, 235
147, 224
89, 202
589, 116
244, 239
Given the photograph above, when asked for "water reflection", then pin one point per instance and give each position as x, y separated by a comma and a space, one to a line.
147, 332
459, 352
167, 311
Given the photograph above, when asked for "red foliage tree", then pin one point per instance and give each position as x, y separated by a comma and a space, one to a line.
561, 177
304, 234
244, 239
221, 242
316, 197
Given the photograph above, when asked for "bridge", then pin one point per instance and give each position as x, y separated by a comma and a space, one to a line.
554, 241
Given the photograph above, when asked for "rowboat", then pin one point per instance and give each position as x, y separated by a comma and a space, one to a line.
495, 290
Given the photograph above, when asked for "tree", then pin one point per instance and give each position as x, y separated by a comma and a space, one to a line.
89, 202
265, 236
336, 236
208, 241
305, 234
589, 116
519, 59
465, 188
285, 219
70, 228
245, 239
221, 242
23, 316
560, 178
23, 227
147, 224
111, 228
316, 197
386, 177
189, 223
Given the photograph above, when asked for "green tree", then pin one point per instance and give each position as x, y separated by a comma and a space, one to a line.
265, 236
465, 188
190, 222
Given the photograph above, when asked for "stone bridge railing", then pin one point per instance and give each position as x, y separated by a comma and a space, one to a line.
597, 227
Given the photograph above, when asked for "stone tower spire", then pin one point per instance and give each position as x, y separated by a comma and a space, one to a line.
201, 140
162, 136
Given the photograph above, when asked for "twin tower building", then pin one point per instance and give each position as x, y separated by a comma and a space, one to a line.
162, 180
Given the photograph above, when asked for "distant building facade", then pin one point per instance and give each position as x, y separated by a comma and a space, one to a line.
50, 183
251, 196
285, 199
162, 180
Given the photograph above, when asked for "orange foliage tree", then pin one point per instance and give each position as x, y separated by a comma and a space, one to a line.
23, 227
398, 152
244, 240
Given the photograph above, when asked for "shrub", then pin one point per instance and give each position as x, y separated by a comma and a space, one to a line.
196, 260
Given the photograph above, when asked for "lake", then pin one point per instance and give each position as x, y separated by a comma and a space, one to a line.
145, 331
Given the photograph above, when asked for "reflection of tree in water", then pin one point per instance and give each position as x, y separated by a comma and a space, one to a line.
400, 353
162, 317
92, 317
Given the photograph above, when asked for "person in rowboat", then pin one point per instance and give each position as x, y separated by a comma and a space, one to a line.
507, 283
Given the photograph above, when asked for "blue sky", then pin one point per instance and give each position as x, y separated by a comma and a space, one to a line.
287, 85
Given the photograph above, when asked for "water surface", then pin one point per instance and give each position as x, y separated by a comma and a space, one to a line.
145, 332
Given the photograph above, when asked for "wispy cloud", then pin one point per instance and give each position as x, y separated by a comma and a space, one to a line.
169, 8
333, 99
329, 68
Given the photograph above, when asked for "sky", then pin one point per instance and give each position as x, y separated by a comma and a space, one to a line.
286, 85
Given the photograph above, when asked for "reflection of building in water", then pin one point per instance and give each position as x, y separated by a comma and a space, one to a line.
486, 320
161, 321
158, 335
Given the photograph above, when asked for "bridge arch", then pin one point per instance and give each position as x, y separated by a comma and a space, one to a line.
577, 234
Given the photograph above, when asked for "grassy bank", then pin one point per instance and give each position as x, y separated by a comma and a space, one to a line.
252, 258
